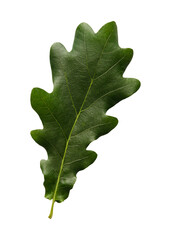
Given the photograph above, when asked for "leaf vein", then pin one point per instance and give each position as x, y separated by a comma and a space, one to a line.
66, 79
104, 96
98, 125
102, 53
54, 118
52, 146
77, 160
114, 65
85, 46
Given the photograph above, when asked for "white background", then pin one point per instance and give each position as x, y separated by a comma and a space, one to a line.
126, 193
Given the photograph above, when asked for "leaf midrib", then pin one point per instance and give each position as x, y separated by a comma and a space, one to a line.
66, 147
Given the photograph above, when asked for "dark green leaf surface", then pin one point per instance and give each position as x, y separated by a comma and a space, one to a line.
87, 82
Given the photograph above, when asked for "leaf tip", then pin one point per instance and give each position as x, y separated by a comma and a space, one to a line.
112, 23
32, 133
138, 83
57, 47
84, 27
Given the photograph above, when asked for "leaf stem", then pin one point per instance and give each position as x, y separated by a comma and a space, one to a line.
51, 211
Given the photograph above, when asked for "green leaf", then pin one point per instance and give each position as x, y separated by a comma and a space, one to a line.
87, 82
